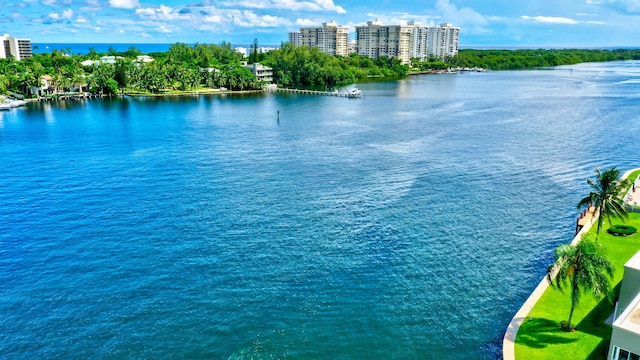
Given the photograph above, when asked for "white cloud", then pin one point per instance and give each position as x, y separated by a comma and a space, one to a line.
311, 5
250, 19
161, 13
213, 19
306, 22
551, 19
124, 4
49, 2
164, 29
469, 20
67, 14
632, 5
90, 5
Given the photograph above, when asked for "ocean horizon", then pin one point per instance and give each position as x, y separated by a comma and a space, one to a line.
146, 48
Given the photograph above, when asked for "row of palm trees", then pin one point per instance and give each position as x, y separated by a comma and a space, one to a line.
67, 74
584, 265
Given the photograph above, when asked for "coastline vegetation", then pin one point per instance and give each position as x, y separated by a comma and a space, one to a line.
529, 58
585, 267
542, 336
205, 67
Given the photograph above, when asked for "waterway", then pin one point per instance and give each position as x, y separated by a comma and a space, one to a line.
409, 224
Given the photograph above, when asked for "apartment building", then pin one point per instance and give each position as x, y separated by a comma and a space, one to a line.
294, 38
375, 40
407, 41
330, 38
443, 41
18, 48
419, 41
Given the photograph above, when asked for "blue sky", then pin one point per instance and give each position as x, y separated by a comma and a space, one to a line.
535, 23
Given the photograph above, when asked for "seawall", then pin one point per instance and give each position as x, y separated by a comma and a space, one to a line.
508, 343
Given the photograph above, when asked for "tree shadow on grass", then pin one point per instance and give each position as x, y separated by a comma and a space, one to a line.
539, 333
594, 324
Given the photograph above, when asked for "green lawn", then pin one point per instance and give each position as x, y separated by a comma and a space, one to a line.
540, 337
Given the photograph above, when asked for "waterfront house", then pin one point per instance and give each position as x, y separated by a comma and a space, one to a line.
625, 335
263, 73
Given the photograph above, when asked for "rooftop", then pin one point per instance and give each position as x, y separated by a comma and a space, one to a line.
629, 320
634, 262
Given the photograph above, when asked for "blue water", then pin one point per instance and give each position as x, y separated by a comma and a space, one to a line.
410, 224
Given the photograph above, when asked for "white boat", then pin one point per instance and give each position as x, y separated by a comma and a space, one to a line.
355, 93
16, 103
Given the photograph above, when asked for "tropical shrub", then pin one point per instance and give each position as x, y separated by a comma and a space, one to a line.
622, 230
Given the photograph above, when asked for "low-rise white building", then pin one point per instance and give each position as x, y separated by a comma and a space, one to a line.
242, 50
141, 59
263, 73
144, 59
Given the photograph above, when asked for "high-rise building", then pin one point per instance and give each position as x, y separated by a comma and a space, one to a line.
375, 40
294, 38
443, 41
407, 41
18, 48
419, 40
331, 38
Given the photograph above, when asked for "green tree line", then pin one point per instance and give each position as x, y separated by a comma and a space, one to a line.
527, 59
182, 67
189, 67
308, 66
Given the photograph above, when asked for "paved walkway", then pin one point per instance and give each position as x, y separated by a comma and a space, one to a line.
508, 343
633, 197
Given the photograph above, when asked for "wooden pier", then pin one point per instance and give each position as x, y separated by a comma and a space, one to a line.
353, 94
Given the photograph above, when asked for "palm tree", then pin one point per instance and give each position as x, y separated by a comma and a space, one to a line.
606, 187
585, 267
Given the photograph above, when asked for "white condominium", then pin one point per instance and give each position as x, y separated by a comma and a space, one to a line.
294, 38
407, 41
331, 38
375, 40
18, 48
419, 40
443, 41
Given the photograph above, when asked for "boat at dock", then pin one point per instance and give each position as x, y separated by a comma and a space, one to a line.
11, 103
16, 103
352, 93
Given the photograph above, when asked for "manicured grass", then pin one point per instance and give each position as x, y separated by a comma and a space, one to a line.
540, 336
